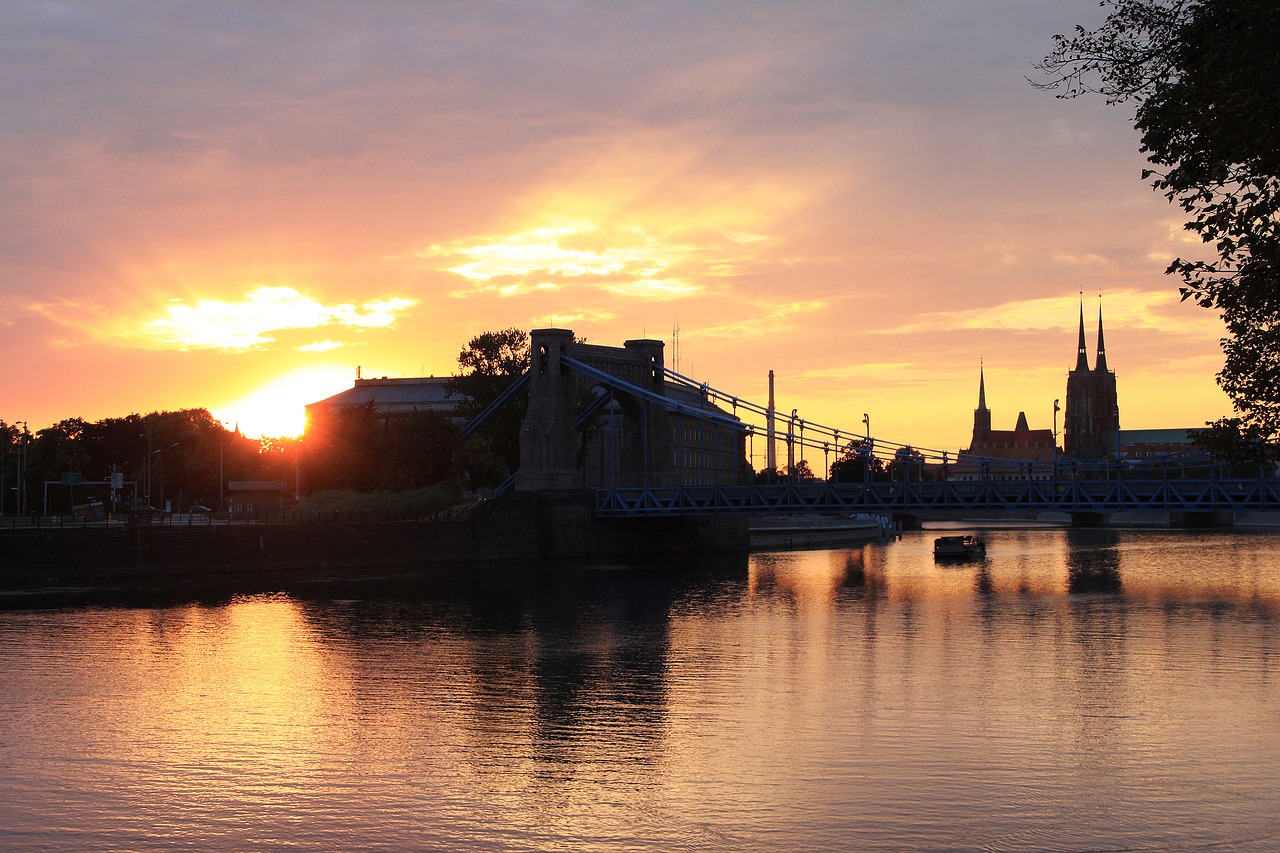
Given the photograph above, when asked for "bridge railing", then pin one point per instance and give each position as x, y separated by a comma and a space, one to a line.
1078, 495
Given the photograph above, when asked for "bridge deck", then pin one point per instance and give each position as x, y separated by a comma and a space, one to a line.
1202, 495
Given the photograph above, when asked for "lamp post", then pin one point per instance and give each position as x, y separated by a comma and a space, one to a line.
1055, 439
1116, 414
150, 454
791, 446
22, 473
146, 474
866, 420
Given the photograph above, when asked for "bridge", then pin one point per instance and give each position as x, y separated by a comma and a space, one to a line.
651, 442
1074, 497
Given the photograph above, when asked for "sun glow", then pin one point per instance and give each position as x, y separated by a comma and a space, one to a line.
278, 408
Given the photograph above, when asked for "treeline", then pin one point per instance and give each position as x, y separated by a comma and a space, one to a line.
187, 458
184, 458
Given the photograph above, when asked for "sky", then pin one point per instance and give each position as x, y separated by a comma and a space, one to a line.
236, 205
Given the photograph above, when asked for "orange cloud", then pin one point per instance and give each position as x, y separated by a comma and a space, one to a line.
251, 322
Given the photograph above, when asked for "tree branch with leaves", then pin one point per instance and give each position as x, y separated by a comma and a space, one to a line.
1205, 78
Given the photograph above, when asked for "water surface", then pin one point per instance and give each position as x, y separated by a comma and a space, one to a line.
1073, 691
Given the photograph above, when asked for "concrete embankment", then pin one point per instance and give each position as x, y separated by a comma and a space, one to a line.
556, 525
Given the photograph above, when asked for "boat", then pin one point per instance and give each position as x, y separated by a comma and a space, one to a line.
958, 547
822, 531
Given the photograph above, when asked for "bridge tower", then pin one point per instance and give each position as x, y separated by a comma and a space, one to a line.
547, 435
639, 432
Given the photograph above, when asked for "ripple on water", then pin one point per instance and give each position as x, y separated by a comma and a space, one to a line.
1075, 690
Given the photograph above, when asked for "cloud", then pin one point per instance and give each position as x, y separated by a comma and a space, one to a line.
320, 346
1126, 309
764, 318
807, 183
252, 322
626, 261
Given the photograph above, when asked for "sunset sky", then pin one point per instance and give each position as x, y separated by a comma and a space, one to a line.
232, 205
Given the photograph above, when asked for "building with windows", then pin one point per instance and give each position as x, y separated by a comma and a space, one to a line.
1157, 443
1015, 449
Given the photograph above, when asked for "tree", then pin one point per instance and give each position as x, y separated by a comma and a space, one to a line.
425, 448
768, 477
800, 472
1232, 440
906, 458
857, 463
490, 363
1204, 75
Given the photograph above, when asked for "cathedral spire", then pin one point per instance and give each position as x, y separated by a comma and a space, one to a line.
1082, 355
982, 389
1101, 366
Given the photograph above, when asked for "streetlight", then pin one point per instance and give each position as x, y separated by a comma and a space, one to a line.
1055, 439
1116, 414
791, 446
22, 462
866, 419
157, 453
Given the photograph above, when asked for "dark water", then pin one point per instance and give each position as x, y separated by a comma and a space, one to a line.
1075, 690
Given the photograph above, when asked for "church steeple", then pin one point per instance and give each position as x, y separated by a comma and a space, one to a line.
1082, 355
1101, 366
981, 415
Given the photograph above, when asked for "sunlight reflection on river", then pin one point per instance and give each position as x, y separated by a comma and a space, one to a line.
1073, 690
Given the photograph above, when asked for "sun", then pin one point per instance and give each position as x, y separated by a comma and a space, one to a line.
278, 408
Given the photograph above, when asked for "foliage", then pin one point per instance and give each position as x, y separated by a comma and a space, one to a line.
768, 477
1234, 440
907, 464
857, 463
799, 472
490, 363
360, 449
183, 458
1204, 74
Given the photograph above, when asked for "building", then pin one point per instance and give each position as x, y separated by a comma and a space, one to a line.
1091, 424
389, 397
1016, 449
1157, 443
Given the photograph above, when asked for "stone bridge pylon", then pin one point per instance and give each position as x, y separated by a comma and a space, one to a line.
626, 442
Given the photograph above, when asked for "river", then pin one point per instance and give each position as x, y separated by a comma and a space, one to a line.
1074, 690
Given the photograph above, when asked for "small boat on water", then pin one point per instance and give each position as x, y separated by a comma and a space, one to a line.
958, 547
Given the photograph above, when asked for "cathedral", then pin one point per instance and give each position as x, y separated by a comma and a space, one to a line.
1091, 425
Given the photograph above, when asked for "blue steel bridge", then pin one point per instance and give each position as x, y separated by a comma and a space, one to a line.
648, 418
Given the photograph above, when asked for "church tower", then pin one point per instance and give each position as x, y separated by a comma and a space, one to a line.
1091, 425
981, 415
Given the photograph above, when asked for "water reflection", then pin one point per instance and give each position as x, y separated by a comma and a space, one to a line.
1093, 561
1071, 690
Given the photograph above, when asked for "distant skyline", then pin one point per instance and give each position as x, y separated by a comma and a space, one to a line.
234, 205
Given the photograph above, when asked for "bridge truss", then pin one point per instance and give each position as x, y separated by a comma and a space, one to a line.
1214, 494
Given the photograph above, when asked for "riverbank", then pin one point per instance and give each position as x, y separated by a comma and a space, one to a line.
547, 525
